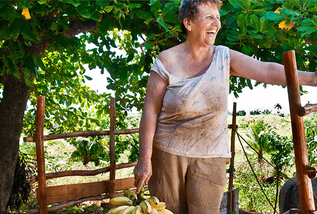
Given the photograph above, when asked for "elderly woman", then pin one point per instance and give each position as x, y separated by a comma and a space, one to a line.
183, 132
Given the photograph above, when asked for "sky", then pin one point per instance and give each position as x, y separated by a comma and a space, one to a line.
259, 98
266, 98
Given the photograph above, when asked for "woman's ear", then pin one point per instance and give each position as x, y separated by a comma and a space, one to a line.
187, 24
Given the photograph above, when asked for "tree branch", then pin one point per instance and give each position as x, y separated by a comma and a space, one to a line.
77, 27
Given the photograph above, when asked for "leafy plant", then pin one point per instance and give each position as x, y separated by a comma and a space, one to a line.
258, 137
255, 112
241, 113
92, 149
266, 112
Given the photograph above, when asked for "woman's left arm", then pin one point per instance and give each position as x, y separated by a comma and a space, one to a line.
265, 72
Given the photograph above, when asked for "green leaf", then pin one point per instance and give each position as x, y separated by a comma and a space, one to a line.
238, 4
255, 22
70, 2
249, 84
162, 23
108, 9
308, 26
312, 48
12, 68
247, 50
27, 33
270, 15
61, 40
131, 6
156, 8
148, 45
38, 61
256, 36
242, 22
142, 14
16, 55
83, 12
120, 5
88, 77
260, 12
15, 27
43, 1
25, 3
102, 3
222, 12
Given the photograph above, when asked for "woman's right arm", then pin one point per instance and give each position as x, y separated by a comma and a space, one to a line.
156, 88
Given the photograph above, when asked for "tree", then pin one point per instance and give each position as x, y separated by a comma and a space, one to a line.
45, 53
278, 107
258, 137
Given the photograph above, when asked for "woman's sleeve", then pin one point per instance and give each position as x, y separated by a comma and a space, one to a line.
158, 68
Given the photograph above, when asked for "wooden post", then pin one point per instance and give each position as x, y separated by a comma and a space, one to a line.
231, 196
39, 128
112, 144
298, 130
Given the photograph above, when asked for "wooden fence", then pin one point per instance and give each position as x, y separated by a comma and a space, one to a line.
72, 194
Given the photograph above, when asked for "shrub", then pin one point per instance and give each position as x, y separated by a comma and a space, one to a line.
241, 113
255, 112
267, 112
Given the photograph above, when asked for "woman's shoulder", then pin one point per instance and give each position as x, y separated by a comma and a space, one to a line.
167, 56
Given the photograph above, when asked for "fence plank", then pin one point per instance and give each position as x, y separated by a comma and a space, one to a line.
61, 193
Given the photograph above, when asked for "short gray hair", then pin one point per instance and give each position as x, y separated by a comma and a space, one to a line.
189, 9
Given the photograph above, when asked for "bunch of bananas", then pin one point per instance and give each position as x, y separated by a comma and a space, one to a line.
131, 203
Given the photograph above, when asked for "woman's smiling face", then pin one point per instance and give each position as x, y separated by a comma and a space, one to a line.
206, 25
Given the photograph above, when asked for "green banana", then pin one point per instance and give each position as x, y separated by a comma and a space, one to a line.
153, 200
127, 210
146, 207
130, 194
121, 200
140, 196
137, 210
117, 210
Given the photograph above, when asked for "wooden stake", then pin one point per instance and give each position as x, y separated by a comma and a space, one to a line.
298, 130
231, 198
39, 129
112, 144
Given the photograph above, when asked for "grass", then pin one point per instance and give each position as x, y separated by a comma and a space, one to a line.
250, 195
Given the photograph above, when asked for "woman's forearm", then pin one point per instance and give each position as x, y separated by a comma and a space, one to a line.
146, 134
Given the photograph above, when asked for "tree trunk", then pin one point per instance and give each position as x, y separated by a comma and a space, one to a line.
12, 107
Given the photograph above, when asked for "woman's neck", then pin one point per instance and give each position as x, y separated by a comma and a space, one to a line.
196, 51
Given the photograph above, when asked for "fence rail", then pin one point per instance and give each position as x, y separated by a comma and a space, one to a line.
72, 194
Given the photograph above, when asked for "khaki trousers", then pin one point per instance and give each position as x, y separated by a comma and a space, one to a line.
188, 185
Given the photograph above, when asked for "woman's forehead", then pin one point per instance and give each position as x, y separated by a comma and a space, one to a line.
207, 7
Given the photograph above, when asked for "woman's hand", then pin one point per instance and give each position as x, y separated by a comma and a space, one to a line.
142, 173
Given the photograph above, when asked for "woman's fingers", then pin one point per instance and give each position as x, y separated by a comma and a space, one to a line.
140, 184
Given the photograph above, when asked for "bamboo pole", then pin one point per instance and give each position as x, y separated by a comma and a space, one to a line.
298, 130
39, 128
231, 196
112, 144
